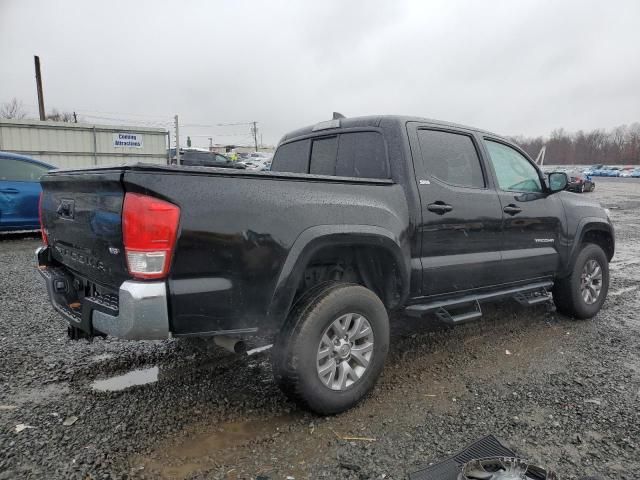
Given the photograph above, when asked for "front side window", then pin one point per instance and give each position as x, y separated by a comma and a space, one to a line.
514, 172
15, 170
451, 158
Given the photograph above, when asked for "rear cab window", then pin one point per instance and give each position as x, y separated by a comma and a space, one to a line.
360, 154
324, 152
292, 157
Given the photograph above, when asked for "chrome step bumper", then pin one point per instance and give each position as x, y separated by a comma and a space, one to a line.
141, 312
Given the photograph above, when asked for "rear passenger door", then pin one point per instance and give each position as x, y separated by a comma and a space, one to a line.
461, 213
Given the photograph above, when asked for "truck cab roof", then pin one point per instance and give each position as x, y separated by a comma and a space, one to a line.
375, 121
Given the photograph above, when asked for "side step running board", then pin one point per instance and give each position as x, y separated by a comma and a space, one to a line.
528, 299
531, 294
448, 317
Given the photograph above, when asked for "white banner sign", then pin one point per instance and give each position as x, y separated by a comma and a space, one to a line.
127, 140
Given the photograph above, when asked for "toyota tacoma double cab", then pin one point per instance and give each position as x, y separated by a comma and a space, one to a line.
358, 217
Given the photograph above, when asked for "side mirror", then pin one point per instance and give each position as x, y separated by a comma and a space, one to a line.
558, 181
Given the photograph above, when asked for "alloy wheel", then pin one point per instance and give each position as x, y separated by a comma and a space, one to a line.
345, 351
591, 282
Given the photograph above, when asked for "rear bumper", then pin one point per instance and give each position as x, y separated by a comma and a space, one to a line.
138, 313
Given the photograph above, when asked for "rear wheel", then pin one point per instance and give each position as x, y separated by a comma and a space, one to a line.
331, 351
582, 293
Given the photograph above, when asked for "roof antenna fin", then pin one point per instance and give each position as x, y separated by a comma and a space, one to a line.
337, 116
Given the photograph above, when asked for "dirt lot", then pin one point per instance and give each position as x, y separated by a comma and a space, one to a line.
562, 393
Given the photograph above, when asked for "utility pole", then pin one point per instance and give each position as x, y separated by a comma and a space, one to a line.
210, 144
75, 118
177, 141
36, 59
255, 135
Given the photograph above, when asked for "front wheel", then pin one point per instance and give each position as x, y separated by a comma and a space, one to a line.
332, 348
582, 293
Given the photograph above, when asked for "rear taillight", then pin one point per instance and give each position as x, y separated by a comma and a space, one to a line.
149, 230
45, 240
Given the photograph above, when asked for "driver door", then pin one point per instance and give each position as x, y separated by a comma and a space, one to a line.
532, 219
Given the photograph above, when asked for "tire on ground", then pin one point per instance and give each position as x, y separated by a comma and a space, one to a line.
294, 356
567, 294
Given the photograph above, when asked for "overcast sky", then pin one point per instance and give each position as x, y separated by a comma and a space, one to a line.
513, 67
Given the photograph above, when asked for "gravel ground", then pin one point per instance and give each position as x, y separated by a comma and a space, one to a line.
562, 393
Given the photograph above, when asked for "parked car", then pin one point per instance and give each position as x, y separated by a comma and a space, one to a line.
256, 165
20, 191
358, 218
593, 168
580, 183
202, 158
635, 173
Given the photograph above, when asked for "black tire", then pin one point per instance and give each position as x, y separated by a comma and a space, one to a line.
567, 294
593, 187
581, 189
294, 356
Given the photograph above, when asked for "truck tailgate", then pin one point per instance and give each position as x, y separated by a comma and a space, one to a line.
82, 217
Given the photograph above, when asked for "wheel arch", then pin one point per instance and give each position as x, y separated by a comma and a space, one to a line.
313, 241
593, 230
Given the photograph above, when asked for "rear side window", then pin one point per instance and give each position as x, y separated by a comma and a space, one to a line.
451, 158
323, 156
15, 170
292, 157
363, 155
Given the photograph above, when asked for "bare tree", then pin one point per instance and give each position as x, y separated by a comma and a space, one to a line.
57, 116
13, 109
621, 145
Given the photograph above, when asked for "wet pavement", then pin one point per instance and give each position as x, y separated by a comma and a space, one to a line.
563, 393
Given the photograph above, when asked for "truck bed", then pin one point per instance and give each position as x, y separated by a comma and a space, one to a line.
237, 230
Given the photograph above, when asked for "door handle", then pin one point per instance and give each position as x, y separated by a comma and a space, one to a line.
439, 207
9, 190
512, 209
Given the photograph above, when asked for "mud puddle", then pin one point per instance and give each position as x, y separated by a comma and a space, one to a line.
224, 447
133, 378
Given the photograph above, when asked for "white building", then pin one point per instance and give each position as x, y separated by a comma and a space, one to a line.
78, 145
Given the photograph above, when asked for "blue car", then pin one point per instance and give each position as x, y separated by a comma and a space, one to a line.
20, 191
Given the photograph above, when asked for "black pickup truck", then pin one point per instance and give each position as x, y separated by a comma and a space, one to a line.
359, 217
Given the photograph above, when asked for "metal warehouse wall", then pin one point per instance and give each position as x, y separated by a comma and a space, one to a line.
78, 145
